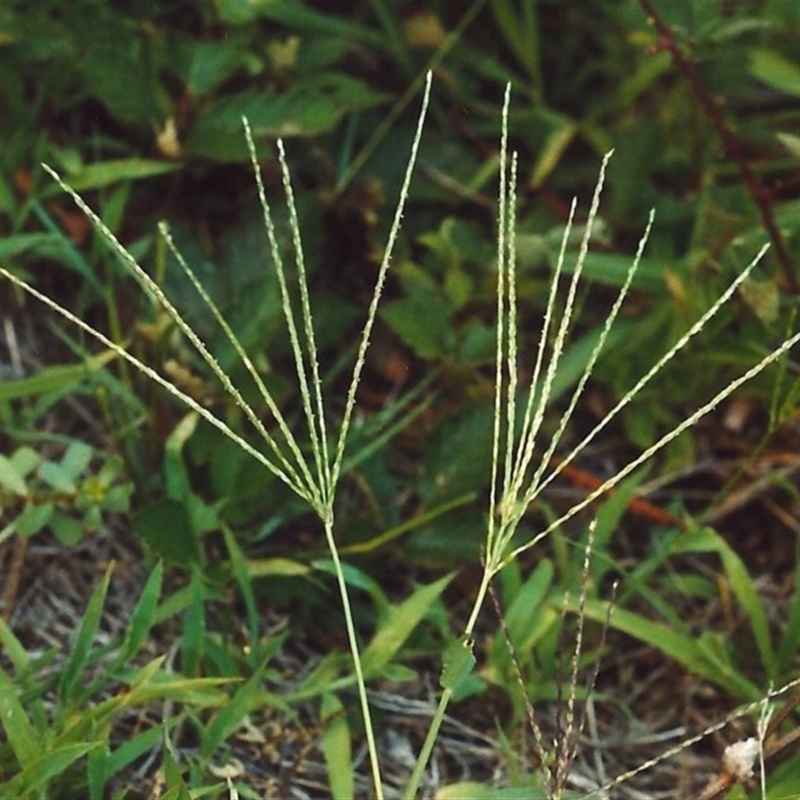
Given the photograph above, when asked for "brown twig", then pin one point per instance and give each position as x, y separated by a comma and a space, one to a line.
636, 505
760, 194
19, 548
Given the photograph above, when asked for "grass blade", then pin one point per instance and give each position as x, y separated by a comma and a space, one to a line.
24, 741
336, 747
143, 616
32, 780
82, 644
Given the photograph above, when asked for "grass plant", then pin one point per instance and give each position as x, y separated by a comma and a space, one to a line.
522, 467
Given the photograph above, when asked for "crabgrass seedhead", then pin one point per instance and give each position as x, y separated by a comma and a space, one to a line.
310, 462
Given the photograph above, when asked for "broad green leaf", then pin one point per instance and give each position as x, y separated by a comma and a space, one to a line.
76, 458
772, 68
336, 747
57, 477
455, 460
236, 12
165, 527
115, 205
67, 530
457, 663
308, 107
784, 781
116, 59
106, 173
791, 141
476, 345
25, 460
308, 20
397, 626
202, 692
611, 269
179, 600
33, 518
421, 320
96, 775
212, 62
11, 479
455, 242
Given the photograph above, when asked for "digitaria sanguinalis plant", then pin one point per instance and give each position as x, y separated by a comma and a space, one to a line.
521, 465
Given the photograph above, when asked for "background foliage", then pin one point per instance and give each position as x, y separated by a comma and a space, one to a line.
139, 106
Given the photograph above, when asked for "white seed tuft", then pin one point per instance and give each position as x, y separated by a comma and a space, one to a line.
739, 758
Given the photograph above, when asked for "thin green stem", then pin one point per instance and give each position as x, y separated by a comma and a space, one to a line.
444, 701
427, 746
354, 651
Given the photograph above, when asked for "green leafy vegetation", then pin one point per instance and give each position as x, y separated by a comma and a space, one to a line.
529, 460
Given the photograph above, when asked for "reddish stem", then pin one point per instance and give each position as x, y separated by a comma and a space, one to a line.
756, 189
